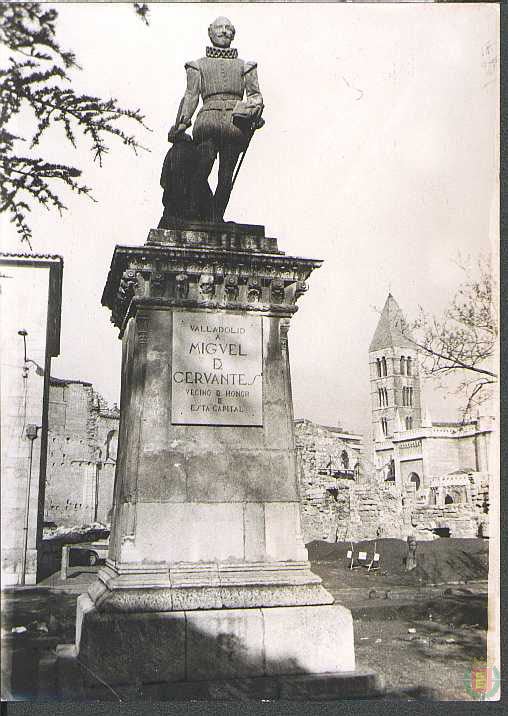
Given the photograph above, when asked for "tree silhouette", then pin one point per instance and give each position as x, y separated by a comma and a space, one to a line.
37, 77
463, 339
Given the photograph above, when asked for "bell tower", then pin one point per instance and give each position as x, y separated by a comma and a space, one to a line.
394, 375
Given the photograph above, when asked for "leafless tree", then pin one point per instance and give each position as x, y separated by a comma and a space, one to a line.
462, 340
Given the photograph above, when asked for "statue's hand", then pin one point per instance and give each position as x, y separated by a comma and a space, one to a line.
257, 120
175, 131
257, 111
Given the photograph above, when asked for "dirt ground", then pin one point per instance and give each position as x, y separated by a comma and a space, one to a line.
423, 650
421, 638
442, 561
421, 645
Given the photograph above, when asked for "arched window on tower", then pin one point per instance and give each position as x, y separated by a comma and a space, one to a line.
382, 397
409, 422
402, 365
404, 399
384, 370
384, 426
409, 366
378, 366
410, 401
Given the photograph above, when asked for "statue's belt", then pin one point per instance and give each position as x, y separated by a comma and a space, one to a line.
220, 103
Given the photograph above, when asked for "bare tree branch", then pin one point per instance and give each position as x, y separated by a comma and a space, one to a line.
463, 339
36, 76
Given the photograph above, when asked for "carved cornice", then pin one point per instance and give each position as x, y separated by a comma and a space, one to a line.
197, 276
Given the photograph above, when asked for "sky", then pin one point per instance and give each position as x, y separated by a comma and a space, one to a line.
379, 156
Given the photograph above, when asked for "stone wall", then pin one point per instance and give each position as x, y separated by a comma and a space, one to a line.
325, 481
83, 433
465, 516
364, 505
377, 510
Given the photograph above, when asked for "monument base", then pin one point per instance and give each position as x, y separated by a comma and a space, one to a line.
69, 684
184, 587
207, 580
215, 644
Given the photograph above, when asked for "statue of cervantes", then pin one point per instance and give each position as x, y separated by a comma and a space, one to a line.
230, 113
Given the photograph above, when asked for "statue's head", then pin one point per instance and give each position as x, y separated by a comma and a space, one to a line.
221, 32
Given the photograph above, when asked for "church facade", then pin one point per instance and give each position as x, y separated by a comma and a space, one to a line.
442, 469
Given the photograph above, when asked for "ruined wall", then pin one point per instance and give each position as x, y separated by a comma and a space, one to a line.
325, 509
364, 505
336, 505
83, 433
376, 511
458, 503
329, 464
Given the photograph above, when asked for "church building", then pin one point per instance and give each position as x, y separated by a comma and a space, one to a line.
442, 468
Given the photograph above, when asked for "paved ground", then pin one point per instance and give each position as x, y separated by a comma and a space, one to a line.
419, 639
78, 579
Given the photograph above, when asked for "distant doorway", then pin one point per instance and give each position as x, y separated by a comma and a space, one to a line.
442, 531
415, 478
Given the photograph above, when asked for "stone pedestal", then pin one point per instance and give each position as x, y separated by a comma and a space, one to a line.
211, 644
207, 575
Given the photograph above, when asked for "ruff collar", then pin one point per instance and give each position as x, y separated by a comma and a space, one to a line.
224, 53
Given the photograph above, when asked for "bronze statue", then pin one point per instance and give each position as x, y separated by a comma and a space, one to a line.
224, 124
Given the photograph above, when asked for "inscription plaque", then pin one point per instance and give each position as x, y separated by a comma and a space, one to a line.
217, 369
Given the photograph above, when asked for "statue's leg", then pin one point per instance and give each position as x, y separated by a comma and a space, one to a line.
201, 194
228, 157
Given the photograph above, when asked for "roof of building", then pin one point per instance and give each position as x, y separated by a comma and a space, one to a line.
31, 257
64, 381
389, 332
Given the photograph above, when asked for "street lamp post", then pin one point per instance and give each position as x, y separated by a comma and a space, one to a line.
31, 434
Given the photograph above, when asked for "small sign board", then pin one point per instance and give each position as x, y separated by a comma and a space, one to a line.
217, 369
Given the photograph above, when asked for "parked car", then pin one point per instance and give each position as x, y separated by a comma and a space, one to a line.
88, 553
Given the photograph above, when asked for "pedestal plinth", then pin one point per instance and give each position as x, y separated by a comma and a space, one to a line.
207, 574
